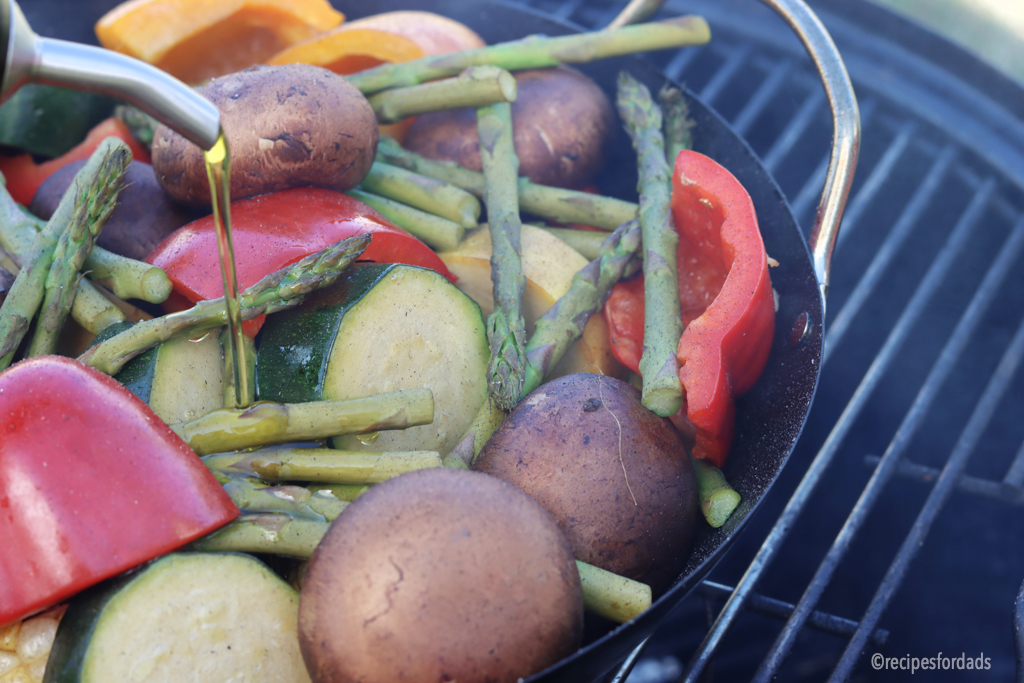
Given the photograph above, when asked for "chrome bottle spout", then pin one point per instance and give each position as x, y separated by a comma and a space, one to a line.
30, 58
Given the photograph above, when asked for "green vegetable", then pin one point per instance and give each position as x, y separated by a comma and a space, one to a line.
280, 290
506, 329
717, 498
225, 615
381, 327
677, 124
321, 465
663, 324
49, 121
557, 330
93, 206
430, 195
536, 52
29, 287
181, 379
550, 203
477, 86
262, 424
439, 233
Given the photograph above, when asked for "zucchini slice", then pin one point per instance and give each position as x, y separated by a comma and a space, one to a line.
184, 617
180, 380
381, 327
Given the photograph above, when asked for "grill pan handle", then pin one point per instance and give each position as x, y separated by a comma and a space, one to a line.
845, 131
845, 120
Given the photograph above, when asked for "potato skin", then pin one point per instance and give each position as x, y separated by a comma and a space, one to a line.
561, 123
440, 575
561, 446
143, 217
286, 126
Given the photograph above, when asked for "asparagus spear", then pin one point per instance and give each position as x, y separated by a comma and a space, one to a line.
612, 596
550, 203
475, 87
280, 290
663, 326
557, 330
27, 293
251, 495
717, 498
604, 593
677, 123
142, 125
269, 532
563, 323
430, 195
322, 465
126, 277
536, 52
93, 206
506, 329
439, 233
232, 429
586, 242
343, 492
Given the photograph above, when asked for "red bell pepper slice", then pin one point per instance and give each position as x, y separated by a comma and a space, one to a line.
24, 175
726, 298
92, 483
273, 230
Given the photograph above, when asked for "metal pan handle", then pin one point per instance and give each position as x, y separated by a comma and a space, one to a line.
845, 131
845, 120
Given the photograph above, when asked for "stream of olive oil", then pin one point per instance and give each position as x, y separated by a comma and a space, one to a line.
218, 170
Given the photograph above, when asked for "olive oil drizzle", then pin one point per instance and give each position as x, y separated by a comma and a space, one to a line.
218, 170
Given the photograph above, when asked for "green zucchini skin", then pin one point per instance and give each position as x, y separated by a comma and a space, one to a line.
296, 345
96, 619
77, 627
49, 121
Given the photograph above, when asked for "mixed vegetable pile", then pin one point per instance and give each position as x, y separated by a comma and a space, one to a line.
444, 425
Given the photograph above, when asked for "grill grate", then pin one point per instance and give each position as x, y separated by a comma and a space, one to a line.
921, 360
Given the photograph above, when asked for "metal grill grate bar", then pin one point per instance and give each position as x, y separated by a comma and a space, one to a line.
976, 486
680, 63
763, 96
919, 202
819, 621
1015, 475
794, 508
913, 419
794, 130
567, 9
876, 180
979, 420
722, 77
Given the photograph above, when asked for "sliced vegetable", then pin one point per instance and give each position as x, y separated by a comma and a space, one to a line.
195, 40
726, 299
181, 380
280, 290
346, 51
274, 230
217, 616
380, 328
24, 175
91, 483
434, 33
48, 120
